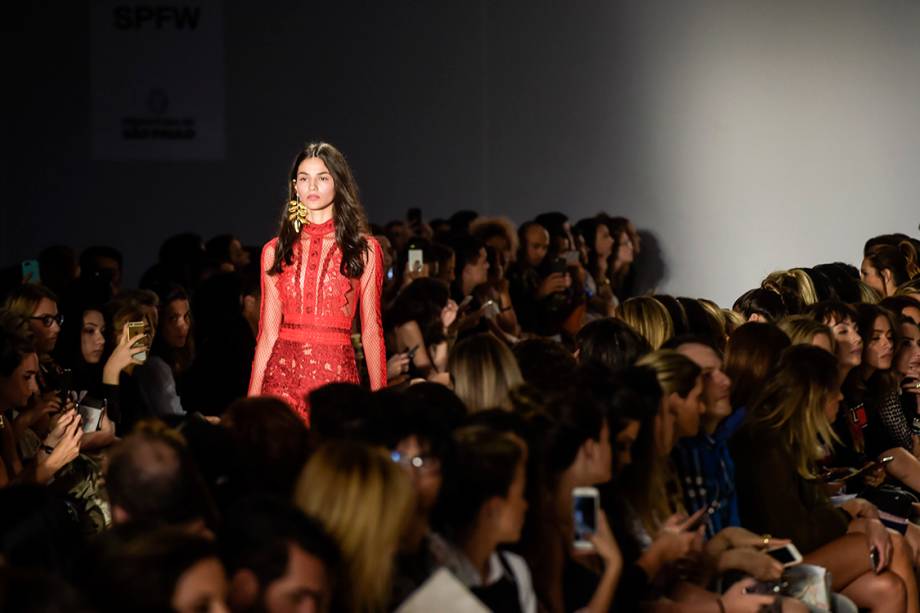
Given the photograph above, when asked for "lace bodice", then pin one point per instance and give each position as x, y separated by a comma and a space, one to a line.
311, 301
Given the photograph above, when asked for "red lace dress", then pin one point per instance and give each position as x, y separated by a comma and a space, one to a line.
307, 313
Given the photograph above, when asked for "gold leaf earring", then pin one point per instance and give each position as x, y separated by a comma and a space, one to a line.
297, 214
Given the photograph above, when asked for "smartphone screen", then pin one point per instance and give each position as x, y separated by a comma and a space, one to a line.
416, 260
585, 516
30, 271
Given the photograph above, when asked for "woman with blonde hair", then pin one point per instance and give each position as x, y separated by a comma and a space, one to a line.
363, 499
794, 286
484, 372
909, 288
649, 318
805, 330
776, 455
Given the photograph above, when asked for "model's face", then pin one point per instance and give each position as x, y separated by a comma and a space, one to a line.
688, 410
202, 589
92, 337
44, 326
303, 588
314, 184
603, 242
717, 386
872, 277
537, 239
823, 341
880, 350
907, 360
177, 321
16, 389
849, 343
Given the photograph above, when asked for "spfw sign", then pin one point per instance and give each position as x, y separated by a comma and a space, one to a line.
158, 80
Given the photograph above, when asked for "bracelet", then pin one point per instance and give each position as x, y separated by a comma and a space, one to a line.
47, 449
721, 605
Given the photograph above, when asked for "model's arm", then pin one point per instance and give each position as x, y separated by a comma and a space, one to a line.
269, 320
375, 351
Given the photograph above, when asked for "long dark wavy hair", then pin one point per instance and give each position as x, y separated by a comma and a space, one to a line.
347, 213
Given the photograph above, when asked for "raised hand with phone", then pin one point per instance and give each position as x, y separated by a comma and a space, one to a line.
130, 351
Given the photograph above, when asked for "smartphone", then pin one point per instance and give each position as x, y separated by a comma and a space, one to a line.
135, 329
91, 410
559, 265
571, 257
787, 555
490, 309
867, 467
411, 353
416, 260
65, 382
30, 271
391, 272
585, 509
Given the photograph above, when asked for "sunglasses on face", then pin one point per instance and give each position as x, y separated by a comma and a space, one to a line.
50, 320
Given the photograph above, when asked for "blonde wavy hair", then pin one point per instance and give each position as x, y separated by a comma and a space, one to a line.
802, 329
794, 281
792, 404
648, 317
868, 295
484, 372
364, 500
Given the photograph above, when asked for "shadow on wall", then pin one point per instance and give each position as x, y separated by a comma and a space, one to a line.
650, 267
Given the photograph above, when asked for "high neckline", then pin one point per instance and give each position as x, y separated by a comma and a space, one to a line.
319, 229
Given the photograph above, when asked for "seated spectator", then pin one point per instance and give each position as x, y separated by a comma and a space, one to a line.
365, 501
278, 559
139, 568
611, 342
19, 369
761, 305
794, 286
887, 266
648, 317
779, 444
170, 358
417, 434
803, 329
544, 363
482, 506
271, 443
484, 372
104, 263
226, 253
903, 305
599, 244
752, 351
152, 479
537, 284
418, 323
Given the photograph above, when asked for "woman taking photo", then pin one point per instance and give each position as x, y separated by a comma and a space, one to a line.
316, 273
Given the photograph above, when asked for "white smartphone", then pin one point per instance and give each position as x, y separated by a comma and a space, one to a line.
585, 509
787, 555
416, 260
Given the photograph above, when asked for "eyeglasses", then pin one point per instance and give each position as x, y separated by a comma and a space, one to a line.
421, 463
49, 320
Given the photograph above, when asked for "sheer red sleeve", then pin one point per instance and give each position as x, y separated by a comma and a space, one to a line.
269, 319
375, 352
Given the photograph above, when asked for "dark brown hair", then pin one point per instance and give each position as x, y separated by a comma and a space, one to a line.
752, 351
347, 213
900, 259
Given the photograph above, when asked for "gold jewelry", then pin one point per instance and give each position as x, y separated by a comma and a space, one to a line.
297, 214
766, 540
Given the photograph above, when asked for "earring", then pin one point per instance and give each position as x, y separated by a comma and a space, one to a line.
297, 213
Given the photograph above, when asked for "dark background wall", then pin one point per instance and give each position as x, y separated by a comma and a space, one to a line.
744, 136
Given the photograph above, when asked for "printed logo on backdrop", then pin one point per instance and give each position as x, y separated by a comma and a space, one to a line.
158, 80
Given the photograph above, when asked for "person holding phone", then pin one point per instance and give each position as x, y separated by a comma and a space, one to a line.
776, 454
316, 274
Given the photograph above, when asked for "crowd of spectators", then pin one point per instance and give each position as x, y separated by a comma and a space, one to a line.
135, 474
